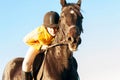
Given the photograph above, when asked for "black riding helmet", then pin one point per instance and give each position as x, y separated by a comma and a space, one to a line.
51, 19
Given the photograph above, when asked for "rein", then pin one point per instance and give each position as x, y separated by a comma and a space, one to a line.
57, 44
40, 73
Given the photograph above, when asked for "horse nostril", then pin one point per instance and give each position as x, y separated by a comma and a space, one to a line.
70, 39
75, 41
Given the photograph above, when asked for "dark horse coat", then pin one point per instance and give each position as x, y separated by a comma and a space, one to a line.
59, 63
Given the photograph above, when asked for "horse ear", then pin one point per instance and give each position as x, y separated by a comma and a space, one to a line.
63, 2
79, 2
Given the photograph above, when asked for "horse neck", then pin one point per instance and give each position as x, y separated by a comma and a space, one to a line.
58, 55
61, 38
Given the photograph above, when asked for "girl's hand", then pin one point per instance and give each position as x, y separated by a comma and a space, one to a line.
44, 47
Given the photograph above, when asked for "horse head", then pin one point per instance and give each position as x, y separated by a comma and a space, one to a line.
71, 23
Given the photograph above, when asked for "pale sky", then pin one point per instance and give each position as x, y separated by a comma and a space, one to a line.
98, 56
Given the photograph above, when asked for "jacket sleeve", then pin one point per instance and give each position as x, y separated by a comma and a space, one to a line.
31, 39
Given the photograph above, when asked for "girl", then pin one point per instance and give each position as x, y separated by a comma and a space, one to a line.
38, 40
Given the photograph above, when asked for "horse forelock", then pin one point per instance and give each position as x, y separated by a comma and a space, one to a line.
73, 6
69, 9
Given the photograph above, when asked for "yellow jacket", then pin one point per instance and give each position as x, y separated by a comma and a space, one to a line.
38, 37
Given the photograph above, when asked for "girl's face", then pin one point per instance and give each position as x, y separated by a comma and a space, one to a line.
52, 31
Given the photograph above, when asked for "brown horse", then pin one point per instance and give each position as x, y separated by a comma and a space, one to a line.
58, 62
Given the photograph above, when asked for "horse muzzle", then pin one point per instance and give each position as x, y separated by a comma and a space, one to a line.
73, 43
73, 38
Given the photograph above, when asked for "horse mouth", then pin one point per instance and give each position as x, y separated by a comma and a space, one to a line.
72, 47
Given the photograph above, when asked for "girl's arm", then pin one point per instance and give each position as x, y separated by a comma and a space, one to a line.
31, 38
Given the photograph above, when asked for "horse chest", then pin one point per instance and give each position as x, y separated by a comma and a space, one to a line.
47, 75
